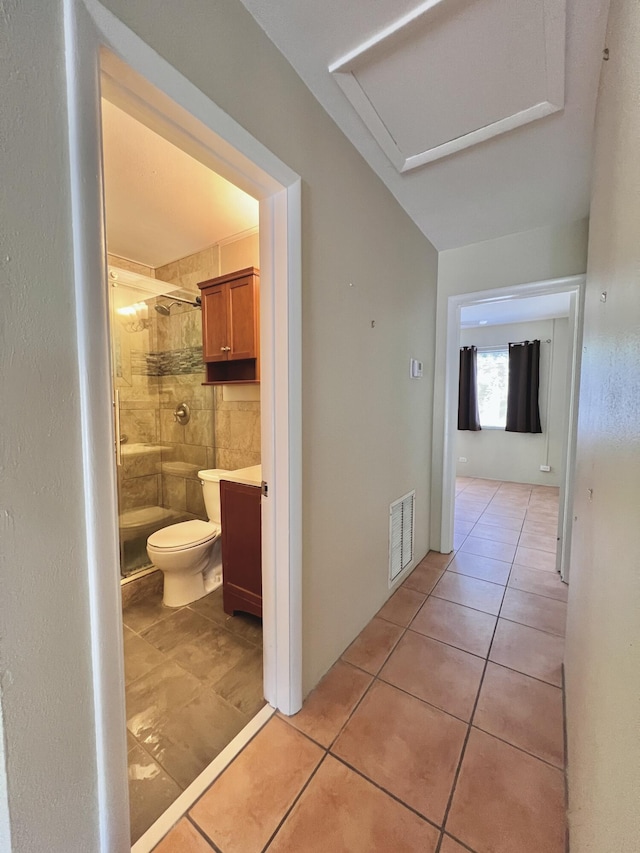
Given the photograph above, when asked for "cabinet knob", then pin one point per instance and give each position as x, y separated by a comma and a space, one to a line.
225, 349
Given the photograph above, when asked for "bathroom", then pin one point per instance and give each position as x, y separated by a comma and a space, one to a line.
193, 673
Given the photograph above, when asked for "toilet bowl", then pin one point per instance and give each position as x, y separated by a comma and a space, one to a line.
188, 554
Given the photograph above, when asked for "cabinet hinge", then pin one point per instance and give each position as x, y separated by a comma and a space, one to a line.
265, 489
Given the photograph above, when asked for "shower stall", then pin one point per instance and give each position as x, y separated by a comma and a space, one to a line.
164, 419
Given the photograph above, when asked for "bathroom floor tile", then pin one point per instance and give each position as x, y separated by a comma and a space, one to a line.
536, 611
506, 800
327, 708
404, 745
139, 657
185, 626
244, 624
150, 698
151, 791
373, 645
242, 685
141, 614
538, 582
402, 606
483, 568
186, 740
268, 774
183, 838
439, 674
529, 651
462, 627
525, 712
488, 548
355, 816
211, 655
470, 592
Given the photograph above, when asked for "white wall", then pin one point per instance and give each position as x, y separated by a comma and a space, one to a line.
538, 255
602, 664
513, 456
366, 424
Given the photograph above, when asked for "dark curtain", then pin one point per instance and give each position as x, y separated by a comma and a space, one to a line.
468, 417
523, 413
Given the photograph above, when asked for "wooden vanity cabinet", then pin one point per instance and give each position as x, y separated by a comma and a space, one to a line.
241, 548
231, 327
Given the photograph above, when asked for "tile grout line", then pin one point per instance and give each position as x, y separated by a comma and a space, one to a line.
200, 832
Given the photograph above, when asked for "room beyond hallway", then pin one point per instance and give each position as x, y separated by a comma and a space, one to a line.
440, 730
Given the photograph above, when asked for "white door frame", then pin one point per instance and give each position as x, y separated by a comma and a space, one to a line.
157, 94
573, 285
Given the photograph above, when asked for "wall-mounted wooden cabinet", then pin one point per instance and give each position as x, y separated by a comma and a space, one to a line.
231, 327
240, 507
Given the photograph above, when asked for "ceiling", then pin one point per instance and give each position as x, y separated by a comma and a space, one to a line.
161, 204
499, 312
477, 114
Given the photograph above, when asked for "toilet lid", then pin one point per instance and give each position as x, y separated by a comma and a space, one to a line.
183, 535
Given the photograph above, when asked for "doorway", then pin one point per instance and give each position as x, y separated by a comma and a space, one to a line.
134, 75
573, 288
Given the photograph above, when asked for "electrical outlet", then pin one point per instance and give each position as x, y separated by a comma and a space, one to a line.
462, 458
545, 468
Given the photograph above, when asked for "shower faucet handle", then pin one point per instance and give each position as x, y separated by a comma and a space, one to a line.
182, 413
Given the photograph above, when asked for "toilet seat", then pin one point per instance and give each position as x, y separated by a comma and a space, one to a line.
186, 534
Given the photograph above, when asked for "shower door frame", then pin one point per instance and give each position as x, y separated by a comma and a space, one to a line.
152, 90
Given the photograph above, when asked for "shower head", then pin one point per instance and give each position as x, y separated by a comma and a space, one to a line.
165, 310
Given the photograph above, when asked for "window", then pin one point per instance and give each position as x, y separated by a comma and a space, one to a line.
493, 384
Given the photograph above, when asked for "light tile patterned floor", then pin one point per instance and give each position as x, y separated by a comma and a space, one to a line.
441, 728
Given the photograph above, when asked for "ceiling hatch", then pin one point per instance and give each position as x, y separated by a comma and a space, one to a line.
453, 73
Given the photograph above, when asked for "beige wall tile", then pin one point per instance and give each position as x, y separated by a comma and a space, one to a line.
195, 499
140, 491
174, 492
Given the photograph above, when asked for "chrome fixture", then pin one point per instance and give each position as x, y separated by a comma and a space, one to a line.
182, 414
165, 310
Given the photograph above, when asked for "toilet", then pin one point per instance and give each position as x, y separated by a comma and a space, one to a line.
188, 553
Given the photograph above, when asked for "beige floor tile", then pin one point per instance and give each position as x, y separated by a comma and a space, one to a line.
440, 674
508, 508
536, 559
482, 567
373, 645
540, 528
507, 801
539, 541
489, 548
183, 838
536, 611
463, 527
464, 514
449, 845
343, 813
523, 711
540, 583
402, 606
470, 592
497, 534
407, 747
327, 708
529, 651
151, 791
504, 521
435, 558
423, 578
257, 789
462, 627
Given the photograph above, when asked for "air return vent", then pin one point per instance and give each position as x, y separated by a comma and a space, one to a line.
401, 513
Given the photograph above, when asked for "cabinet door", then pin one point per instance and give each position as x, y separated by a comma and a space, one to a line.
241, 547
214, 323
242, 318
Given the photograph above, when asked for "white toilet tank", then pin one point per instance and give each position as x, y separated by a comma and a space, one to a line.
211, 492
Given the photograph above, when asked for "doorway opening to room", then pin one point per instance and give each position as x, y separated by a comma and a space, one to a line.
183, 281
146, 359
493, 477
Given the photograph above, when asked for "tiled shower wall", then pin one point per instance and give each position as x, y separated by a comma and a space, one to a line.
159, 368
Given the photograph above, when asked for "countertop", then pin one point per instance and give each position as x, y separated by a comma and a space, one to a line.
247, 476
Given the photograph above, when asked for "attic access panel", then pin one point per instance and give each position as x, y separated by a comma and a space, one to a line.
453, 73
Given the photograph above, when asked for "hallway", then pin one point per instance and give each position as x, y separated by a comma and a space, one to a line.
441, 728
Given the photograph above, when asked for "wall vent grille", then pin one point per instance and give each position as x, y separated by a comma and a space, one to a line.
401, 520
